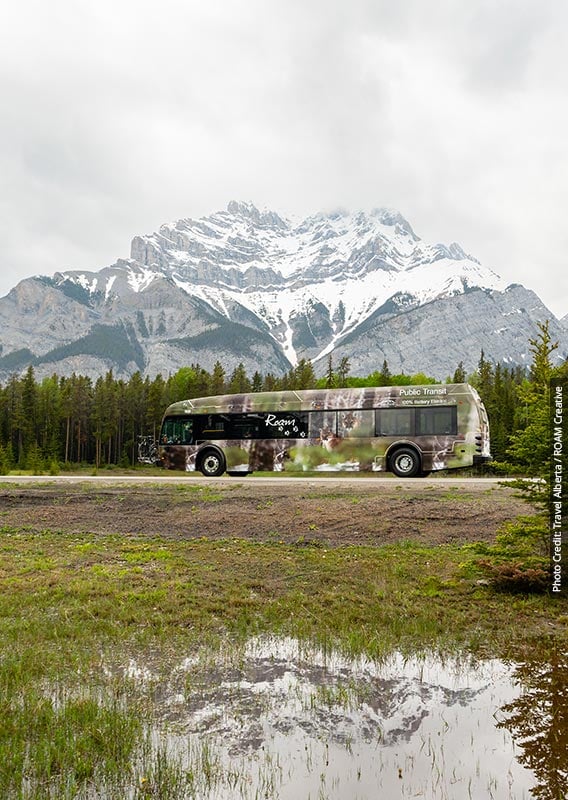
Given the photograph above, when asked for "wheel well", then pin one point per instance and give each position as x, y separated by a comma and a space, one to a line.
402, 446
209, 448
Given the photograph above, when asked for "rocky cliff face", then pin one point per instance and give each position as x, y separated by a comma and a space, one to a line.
248, 285
499, 323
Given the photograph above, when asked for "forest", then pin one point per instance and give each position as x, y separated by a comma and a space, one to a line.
62, 422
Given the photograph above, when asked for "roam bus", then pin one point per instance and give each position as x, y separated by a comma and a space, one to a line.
407, 430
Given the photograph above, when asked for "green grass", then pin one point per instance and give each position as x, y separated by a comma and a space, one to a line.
70, 603
59, 747
57, 586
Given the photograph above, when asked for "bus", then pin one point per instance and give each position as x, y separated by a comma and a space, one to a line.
407, 430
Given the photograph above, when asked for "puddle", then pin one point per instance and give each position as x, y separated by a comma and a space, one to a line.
282, 720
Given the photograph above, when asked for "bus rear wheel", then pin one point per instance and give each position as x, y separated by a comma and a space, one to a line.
405, 463
212, 464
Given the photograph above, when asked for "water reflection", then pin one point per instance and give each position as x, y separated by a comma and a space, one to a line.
279, 719
538, 721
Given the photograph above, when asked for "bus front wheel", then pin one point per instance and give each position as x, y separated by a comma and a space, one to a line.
405, 463
212, 464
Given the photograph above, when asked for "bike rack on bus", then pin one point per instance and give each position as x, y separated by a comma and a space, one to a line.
148, 450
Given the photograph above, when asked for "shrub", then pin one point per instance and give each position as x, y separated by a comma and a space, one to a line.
518, 561
517, 577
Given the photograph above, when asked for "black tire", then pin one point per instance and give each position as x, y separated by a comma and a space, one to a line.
212, 463
405, 463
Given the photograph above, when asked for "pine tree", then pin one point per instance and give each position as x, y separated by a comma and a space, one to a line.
157, 403
330, 377
218, 379
530, 447
4, 461
82, 405
483, 379
136, 403
460, 374
182, 385
304, 375
202, 383
13, 412
343, 371
239, 382
28, 416
49, 414
270, 383
385, 376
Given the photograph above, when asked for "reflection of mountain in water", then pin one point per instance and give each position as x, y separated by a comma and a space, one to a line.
538, 720
299, 721
319, 700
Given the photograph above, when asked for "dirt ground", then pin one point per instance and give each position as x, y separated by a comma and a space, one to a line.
331, 514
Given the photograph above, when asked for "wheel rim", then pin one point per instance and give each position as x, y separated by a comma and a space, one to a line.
404, 463
211, 463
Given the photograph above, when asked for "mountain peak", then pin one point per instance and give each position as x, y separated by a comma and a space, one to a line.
243, 209
261, 288
249, 212
394, 219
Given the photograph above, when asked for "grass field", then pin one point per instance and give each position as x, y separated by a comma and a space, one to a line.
77, 609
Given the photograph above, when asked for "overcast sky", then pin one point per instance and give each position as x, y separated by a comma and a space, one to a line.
119, 115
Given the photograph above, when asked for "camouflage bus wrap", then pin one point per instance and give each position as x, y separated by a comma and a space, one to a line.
410, 430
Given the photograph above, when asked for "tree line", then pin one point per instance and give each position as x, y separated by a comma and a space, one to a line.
75, 420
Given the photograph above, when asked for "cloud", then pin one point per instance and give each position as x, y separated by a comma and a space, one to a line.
122, 115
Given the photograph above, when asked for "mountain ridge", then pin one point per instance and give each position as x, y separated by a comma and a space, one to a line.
264, 289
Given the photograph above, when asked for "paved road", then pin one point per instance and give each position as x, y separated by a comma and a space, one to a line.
181, 477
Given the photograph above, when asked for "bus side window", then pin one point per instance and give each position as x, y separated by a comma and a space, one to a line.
164, 433
437, 421
395, 422
244, 426
187, 432
177, 430
213, 426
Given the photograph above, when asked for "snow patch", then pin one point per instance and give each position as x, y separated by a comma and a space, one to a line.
141, 278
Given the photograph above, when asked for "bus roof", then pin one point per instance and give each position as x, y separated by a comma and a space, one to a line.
319, 399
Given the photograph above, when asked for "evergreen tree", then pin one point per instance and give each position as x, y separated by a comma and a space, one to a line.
182, 385
304, 375
105, 419
49, 414
343, 371
28, 415
239, 382
136, 404
5, 465
330, 378
218, 379
385, 377
530, 447
270, 383
34, 460
14, 421
157, 403
202, 383
82, 405
66, 400
460, 374
483, 379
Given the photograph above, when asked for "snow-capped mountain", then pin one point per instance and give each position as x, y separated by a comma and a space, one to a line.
312, 281
253, 286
